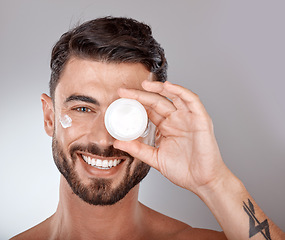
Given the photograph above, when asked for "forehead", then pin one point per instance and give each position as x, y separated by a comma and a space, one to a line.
82, 76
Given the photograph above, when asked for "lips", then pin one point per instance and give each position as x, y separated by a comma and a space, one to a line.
101, 163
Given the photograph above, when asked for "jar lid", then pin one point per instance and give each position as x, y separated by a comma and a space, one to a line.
126, 119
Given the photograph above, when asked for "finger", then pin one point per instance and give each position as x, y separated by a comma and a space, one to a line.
158, 87
158, 103
177, 101
153, 86
140, 151
154, 116
191, 99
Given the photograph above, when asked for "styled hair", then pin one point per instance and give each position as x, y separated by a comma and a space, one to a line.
110, 40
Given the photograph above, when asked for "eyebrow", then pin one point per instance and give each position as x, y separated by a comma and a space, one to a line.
82, 98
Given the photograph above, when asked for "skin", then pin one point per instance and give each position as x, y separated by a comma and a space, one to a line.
181, 124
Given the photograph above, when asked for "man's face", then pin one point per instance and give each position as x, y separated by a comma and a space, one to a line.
85, 90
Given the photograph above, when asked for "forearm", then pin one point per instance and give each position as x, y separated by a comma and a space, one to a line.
236, 211
187, 154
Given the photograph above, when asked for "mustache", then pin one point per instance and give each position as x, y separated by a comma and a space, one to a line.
94, 149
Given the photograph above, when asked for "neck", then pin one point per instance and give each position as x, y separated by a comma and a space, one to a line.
76, 219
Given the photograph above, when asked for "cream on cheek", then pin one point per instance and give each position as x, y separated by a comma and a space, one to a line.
70, 131
65, 121
66, 130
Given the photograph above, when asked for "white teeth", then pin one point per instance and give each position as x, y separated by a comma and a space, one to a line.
93, 162
111, 163
101, 164
115, 162
105, 163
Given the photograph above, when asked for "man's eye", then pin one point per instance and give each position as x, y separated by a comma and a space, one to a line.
83, 109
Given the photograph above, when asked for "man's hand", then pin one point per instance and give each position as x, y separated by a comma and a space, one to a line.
187, 153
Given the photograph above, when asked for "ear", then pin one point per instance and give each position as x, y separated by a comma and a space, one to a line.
158, 137
48, 112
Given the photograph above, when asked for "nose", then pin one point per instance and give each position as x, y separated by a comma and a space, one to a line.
99, 134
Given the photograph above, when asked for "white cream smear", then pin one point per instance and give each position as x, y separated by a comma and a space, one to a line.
101, 164
65, 121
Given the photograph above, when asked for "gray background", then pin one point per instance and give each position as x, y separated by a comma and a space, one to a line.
231, 53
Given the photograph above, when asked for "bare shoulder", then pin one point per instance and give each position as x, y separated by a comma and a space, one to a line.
199, 233
163, 227
39, 231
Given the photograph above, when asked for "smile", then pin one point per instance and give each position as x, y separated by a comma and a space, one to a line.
101, 164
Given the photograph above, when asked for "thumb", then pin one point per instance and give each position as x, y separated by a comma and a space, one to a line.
140, 151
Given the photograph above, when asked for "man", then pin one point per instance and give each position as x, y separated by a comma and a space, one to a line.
93, 65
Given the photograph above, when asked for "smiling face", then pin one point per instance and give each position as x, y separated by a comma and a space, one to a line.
83, 151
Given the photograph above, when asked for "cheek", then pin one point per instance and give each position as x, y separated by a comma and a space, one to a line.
66, 132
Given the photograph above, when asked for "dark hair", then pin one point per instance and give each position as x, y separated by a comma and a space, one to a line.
109, 39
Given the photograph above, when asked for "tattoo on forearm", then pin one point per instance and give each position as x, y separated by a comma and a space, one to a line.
263, 227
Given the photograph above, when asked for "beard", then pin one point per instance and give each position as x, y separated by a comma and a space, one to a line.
99, 191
